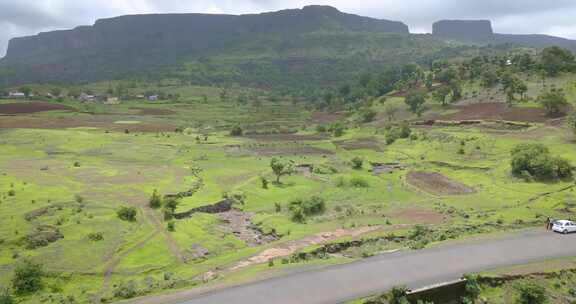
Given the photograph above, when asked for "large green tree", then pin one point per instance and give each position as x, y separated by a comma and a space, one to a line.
415, 102
280, 168
555, 60
27, 277
553, 101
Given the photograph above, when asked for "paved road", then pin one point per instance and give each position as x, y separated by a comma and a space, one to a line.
415, 269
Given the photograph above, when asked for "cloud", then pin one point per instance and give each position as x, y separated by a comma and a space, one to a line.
28, 17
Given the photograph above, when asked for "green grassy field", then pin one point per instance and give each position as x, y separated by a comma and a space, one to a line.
72, 171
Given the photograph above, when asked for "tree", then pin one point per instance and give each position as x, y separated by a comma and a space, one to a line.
535, 161
415, 102
572, 122
390, 110
236, 131
555, 60
531, 293
489, 78
553, 101
27, 277
170, 209
126, 213
26, 90
440, 95
155, 200
55, 91
280, 168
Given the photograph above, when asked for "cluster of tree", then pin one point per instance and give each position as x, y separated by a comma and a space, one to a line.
535, 162
554, 101
302, 209
335, 129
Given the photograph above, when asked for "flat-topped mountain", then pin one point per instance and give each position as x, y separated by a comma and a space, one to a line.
192, 33
480, 31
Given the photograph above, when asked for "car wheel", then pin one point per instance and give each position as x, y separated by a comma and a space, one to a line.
565, 231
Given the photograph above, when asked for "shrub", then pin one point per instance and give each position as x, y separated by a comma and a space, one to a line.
95, 236
398, 295
535, 160
368, 116
27, 277
126, 290
357, 163
264, 182
5, 297
303, 208
155, 200
358, 182
12, 192
170, 209
127, 213
171, 226
236, 131
77, 164
530, 293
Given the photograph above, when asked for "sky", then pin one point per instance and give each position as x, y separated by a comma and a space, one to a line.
554, 17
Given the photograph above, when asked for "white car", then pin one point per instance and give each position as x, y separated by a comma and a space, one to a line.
564, 226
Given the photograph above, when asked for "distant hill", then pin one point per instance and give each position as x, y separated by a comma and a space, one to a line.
145, 43
480, 31
308, 47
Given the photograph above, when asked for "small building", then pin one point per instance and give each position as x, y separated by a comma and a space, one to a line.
16, 95
153, 98
87, 98
112, 101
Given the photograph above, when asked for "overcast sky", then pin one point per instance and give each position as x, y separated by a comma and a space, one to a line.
555, 17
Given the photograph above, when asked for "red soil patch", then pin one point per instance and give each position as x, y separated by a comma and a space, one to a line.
498, 111
32, 107
437, 183
100, 122
418, 216
152, 111
284, 137
326, 117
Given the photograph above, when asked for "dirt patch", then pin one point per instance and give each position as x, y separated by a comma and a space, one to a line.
418, 216
285, 137
32, 107
437, 183
291, 247
280, 150
360, 144
154, 112
240, 224
378, 168
498, 111
326, 117
100, 122
43, 236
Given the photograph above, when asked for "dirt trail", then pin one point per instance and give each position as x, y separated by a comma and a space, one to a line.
292, 247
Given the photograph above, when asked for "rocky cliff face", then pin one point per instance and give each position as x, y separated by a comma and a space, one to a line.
188, 33
473, 30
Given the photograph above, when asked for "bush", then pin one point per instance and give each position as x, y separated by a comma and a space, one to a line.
236, 131
127, 213
171, 226
530, 293
303, 208
95, 236
398, 295
5, 297
27, 277
357, 163
358, 182
170, 209
534, 160
155, 200
126, 290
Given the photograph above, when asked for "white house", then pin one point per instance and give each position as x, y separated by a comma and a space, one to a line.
16, 95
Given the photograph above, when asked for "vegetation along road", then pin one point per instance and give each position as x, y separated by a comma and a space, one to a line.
415, 269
